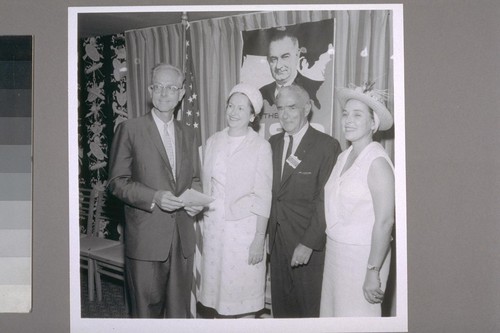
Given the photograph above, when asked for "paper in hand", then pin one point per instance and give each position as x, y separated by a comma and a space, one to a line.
191, 197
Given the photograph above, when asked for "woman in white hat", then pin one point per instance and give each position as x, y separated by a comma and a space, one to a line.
237, 172
359, 211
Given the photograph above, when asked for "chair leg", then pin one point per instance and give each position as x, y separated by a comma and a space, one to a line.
91, 279
98, 284
125, 296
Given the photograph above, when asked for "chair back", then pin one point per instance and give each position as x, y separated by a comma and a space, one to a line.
109, 210
87, 205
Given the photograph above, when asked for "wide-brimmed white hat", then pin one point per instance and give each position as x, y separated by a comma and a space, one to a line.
252, 93
375, 99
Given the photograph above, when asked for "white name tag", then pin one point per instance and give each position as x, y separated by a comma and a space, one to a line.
293, 161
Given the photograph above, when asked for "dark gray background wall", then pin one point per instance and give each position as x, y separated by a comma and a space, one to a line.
453, 162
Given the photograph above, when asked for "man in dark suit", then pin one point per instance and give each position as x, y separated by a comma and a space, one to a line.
153, 160
283, 58
302, 161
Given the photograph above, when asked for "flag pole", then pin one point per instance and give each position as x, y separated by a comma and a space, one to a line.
184, 18
184, 22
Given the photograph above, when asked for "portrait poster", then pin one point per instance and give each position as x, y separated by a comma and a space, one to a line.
314, 71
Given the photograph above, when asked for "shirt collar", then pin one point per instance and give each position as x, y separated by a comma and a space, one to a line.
160, 122
287, 83
297, 137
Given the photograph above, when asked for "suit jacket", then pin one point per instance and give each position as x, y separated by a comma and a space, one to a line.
298, 205
139, 167
248, 176
309, 85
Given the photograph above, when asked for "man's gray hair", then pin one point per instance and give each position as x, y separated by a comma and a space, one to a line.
168, 66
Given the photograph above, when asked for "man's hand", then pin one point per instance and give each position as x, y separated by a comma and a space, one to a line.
193, 210
301, 255
167, 201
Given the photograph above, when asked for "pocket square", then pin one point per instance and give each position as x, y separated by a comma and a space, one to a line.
305, 173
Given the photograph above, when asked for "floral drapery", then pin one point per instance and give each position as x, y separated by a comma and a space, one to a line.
103, 105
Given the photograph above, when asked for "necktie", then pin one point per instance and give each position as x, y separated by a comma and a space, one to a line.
277, 90
289, 149
288, 153
169, 147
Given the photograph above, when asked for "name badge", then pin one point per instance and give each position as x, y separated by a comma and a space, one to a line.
293, 161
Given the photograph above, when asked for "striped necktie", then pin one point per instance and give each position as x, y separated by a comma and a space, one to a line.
169, 147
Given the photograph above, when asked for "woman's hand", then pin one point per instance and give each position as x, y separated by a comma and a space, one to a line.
256, 252
371, 287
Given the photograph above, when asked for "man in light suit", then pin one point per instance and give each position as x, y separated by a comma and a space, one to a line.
283, 58
153, 160
302, 161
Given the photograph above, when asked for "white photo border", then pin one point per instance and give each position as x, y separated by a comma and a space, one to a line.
399, 323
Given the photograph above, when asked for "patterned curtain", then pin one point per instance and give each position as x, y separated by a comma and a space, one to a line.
102, 106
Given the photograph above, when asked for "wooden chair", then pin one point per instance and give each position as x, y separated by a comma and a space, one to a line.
109, 261
87, 200
90, 240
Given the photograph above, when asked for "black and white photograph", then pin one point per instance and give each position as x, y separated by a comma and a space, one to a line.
249, 166
237, 163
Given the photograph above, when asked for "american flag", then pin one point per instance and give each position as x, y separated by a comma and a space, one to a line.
190, 110
191, 117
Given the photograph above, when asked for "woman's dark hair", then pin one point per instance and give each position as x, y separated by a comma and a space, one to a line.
255, 124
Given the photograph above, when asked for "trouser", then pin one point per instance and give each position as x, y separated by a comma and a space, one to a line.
161, 289
295, 291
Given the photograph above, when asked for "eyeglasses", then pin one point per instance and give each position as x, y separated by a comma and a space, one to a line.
158, 89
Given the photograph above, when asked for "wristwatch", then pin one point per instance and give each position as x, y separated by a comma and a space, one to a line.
373, 268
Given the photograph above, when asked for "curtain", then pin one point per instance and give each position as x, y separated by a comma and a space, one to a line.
102, 105
363, 47
363, 52
146, 48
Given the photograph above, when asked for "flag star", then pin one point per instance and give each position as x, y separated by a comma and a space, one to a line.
194, 96
190, 99
190, 86
189, 112
187, 43
198, 113
189, 124
195, 125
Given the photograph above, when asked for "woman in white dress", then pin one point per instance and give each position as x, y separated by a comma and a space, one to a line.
237, 172
359, 211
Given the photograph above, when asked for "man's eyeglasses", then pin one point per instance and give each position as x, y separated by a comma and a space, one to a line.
158, 89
